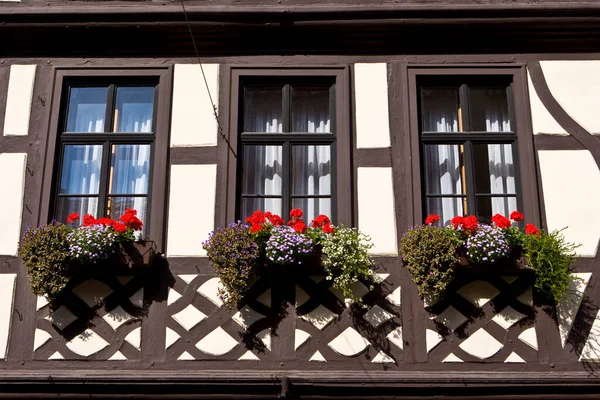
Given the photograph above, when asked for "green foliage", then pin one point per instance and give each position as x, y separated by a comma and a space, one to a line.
346, 259
550, 256
514, 237
234, 253
45, 251
430, 253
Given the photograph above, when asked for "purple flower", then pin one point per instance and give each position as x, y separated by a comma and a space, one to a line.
487, 245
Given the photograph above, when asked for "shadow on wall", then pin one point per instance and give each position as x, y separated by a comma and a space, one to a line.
100, 307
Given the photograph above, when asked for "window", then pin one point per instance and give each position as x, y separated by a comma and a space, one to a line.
111, 145
291, 143
468, 146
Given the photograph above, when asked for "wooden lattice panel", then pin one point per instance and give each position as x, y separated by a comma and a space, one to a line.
95, 319
485, 317
289, 316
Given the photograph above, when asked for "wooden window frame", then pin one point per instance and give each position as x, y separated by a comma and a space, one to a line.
341, 204
524, 156
161, 78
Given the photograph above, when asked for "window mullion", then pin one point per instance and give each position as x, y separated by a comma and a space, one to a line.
470, 179
286, 190
103, 188
110, 103
465, 112
286, 108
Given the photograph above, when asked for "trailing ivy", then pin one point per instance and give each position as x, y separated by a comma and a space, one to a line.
430, 253
45, 251
550, 256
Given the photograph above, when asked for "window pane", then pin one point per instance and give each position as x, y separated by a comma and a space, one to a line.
81, 205
313, 207
488, 206
118, 205
262, 170
494, 168
444, 168
262, 109
440, 109
249, 205
446, 207
311, 170
310, 110
130, 169
489, 110
134, 109
80, 173
87, 109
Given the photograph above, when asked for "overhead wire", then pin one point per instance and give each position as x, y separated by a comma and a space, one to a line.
214, 107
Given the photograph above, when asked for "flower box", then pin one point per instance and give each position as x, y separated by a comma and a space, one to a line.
507, 267
55, 253
435, 255
129, 258
266, 245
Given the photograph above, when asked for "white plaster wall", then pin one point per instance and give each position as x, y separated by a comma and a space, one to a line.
571, 185
12, 182
541, 119
191, 208
18, 100
192, 119
7, 295
371, 96
576, 87
376, 212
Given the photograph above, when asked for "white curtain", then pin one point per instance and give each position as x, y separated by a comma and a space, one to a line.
500, 156
443, 177
262, 112
136, 117
310, 110
263, 172
311, 169
443, 171
89, 118
443, 162
311, 165
129, 175
80, 176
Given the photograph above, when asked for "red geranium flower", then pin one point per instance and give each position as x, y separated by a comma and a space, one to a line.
530, 229
296, 213
299, 226
106, 221
328, 228
501, 221
72, 218
457, 221
320, 221
256, 228
516, 216
431, 219
88, 219
119, 227
470, 223
131, 221
256, 218
276, 220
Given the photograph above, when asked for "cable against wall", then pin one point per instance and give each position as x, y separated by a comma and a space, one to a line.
215, 112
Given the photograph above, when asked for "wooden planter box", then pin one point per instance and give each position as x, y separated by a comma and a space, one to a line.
511, 266
129, 258
310, 265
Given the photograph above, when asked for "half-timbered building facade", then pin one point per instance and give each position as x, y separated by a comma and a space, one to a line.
171, 107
